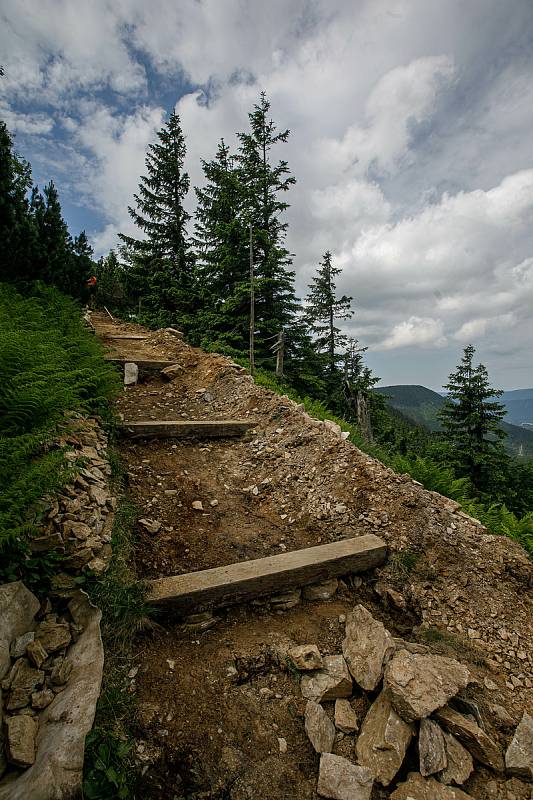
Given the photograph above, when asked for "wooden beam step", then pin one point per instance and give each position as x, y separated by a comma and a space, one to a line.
145, 365
137, 337
235, 583
181, 429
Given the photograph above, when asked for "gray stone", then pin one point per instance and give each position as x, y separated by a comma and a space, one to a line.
460, 763
328, 683
383, 740
319, 728
334, 427
345, 717
53, 635
24, 676
321, 591
519, 755
20, 740
153, 526
431, 748
287, 600
418, 788
476, 741
419, 684
131, 373
306, 657
339, 779
366, 647
18, 607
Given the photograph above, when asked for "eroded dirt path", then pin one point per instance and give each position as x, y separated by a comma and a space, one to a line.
214, 706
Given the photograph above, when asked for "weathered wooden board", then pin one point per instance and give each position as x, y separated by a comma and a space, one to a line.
128, 336
145, 365
235, 583
181, 429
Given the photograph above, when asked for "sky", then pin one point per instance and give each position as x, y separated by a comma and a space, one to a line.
411, 142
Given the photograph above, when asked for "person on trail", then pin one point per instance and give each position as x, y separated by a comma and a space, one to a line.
91, 287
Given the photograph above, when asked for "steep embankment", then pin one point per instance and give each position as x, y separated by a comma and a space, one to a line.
220, 712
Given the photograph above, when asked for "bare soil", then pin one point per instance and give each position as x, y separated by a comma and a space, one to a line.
205, 728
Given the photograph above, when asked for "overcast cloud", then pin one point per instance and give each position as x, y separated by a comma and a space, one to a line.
410, 140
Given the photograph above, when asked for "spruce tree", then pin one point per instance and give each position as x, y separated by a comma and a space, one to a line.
322, 308
471, 420
56, 262
222, 254
160, 269
265, 182
110, 278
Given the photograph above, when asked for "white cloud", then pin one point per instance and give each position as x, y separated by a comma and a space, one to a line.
415, 332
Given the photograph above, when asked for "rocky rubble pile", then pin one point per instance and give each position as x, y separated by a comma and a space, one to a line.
415, 701
79, 520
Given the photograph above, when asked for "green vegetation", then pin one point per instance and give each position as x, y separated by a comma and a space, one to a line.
51, 366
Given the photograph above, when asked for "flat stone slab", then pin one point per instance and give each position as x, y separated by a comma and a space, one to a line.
245, 580
182, 429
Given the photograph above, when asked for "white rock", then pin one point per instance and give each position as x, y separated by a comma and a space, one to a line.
519, 755
197, 505
319, 728
339, 779
418, 788
366, 647
306, 657
131, 373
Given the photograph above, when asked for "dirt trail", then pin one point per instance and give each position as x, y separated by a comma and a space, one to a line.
214, 705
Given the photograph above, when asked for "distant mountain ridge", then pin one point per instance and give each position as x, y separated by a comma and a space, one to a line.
422, 404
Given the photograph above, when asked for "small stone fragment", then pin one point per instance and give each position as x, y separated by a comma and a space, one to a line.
5, 658
320, 591
519, 755
460, 763
25, 676
366, 648
286, 600
431, 748
18, 645
383, 740
131, 373
40, 700
319, 727
306, 657
282, 743
36, 653
418, 788
339, 779
328, 683
20, 740
150, 525
53, 635
197, 505
345, 717
419, 684
18, 698
476, 741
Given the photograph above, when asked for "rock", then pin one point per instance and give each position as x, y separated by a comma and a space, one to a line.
383, 740
151, 525
18, 698
328, 683
460, 764
419, 684
36, 653
24, 676
79, 559
61, 671
366, 647
199, 622
345, 717
320, 591
98, 495
40, 700
18, 645
339, 779
5, 658
197, 505
79, 530
334, 427
503, 717
20, 740
41, 544
306, 657
53, 635
131, 373
418, 788
476, 741
319, 728
431, 748
519, 755
172, 372
282, 744
286, 600
18, 607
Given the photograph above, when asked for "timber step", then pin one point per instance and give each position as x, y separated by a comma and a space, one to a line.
136, 337
235, 583
182, 429
145, 365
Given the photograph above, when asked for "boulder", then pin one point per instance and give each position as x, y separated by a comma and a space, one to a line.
419, 684
328, 683
319, 728
131, 373
383, 740
519, 755
418, 788
431, 748
345, 717
20, 740
476, 741
460, 764
306, 657
366, 647
339, 779
321, 591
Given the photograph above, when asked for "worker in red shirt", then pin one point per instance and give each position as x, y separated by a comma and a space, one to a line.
91, 287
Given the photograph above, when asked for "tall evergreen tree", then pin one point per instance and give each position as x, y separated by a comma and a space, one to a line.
322, 308
222, 253
265, 182
56, 262
471, 421
160, 267
110, 279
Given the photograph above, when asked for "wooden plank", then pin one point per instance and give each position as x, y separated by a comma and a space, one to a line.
235, 583
145, 364
129, 336
181, 429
